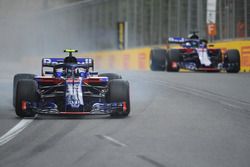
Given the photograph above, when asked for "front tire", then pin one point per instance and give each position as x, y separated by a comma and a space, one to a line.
26, 91
232, 61
158, 59
18, 77
173, 56
118, 91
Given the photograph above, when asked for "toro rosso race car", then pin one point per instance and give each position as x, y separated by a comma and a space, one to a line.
194, 55
70, 86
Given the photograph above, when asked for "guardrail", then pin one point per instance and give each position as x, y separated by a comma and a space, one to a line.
130, 59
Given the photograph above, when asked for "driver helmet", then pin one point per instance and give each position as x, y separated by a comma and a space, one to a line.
188, 44
193, 36
70, 59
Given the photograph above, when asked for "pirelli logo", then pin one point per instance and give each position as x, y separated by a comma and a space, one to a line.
56, 61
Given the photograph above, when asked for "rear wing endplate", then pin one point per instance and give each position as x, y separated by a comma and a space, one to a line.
176, 40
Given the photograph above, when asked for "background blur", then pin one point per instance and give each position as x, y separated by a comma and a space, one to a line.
46, 27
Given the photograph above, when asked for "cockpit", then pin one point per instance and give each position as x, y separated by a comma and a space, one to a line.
69, 71
191, 44
194, 44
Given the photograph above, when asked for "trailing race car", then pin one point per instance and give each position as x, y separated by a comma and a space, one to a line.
194, 55
70, 86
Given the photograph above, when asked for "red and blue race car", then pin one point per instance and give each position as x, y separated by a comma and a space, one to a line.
70, 86
193, 54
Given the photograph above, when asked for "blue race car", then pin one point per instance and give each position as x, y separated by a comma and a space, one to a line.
70, 86
194, 55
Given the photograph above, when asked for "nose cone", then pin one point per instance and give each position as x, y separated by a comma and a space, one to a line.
74, 97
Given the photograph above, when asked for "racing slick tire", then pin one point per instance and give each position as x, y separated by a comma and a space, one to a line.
158, 59
118, 91
110, 76
26, 91
18, 77
232, 61
173, 56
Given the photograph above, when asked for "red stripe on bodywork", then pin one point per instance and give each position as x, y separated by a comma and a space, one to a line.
92, 80
49, 80
124, 106
71, 80
24, 105
174, 65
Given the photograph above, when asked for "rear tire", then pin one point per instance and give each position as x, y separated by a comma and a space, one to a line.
26, 90
118, 91
18, 77
232, 61
158, 59
173, 56
110, 76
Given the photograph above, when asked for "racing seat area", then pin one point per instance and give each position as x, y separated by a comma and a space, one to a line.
70, 59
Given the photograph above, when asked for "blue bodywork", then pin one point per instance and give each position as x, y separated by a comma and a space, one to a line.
72, 89
187, 42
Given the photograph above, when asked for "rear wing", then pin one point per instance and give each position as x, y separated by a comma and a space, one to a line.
180, 40
51, 62
177, 40
187, 42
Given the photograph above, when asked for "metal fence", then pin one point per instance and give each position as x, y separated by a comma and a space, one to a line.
149, 22
233, 19
47, 26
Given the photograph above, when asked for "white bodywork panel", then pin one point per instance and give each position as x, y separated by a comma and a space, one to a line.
203, 56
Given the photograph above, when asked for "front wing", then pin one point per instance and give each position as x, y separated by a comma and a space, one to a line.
97, 109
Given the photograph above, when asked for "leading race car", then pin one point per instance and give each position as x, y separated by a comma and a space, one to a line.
70, 86
194, 55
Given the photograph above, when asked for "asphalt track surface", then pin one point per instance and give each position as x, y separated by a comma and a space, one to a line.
177, 120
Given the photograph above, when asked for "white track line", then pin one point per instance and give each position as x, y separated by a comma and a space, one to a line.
114, 141
12, 133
